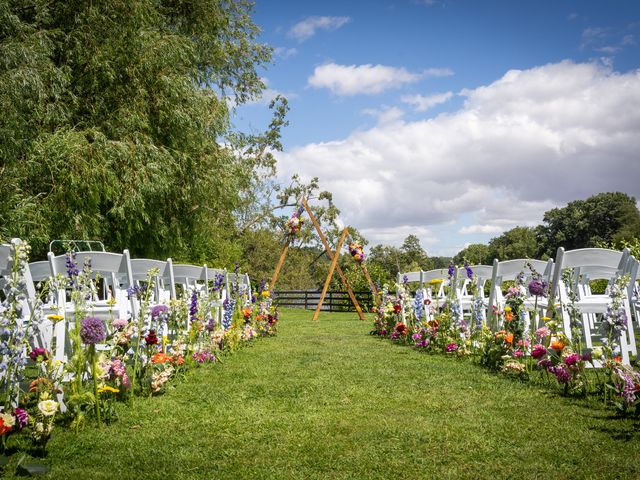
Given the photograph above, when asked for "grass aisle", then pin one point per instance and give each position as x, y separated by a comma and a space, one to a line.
326, 400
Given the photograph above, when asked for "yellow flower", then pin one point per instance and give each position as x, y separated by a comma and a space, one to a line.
435, 281
107, 388
507, 309
546, 319
265, 293
112, 301
55, 318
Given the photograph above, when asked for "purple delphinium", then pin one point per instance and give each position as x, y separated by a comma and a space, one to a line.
469, 271
218, 281
92, 331
452, 269
405, 280
538, 287
72, 267
193, 307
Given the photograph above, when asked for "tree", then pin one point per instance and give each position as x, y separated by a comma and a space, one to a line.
475, 254
519, 242
606, 217
414, 257
116, 123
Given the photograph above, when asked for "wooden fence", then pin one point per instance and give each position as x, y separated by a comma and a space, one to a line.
335, 301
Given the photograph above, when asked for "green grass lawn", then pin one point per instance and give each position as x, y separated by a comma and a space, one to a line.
325, 400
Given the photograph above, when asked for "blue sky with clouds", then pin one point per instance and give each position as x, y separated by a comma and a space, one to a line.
454, 120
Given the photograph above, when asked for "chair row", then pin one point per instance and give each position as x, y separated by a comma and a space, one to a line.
585, 266
114, 295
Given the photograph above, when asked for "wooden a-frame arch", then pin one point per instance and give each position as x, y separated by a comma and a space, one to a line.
331, 256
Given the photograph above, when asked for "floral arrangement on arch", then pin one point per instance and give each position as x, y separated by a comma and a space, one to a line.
356, 251
295, 222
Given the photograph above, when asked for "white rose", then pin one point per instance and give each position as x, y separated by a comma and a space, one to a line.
8, 420
48, 408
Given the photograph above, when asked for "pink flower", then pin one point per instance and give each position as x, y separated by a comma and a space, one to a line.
452, 347
572, 359
543, 332
539, 351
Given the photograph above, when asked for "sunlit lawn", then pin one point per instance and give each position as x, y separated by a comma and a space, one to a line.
326, 400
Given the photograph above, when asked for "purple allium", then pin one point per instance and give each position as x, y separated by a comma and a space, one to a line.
39, 355
119, 323
92, 331
538, 287
538, 351
572, 359
22, 418
158, 310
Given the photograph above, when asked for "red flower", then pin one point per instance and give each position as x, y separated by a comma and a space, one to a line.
397, 308
151, 338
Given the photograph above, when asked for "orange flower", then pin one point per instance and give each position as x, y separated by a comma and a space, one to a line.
618, 359
557, 345
508, 317
246, 311
401, 328
160, 358
509, 338
178, 360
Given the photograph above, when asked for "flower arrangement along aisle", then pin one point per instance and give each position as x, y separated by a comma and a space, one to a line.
108, 360
521, 345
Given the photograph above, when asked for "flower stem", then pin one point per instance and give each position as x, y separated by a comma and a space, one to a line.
94, 374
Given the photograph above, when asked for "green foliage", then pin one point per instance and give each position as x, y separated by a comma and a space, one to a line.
114, 117
519, 242
475, 254
606, 217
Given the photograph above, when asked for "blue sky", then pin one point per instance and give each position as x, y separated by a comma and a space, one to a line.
454, 120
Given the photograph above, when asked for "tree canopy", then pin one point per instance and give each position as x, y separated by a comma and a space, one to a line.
115, 123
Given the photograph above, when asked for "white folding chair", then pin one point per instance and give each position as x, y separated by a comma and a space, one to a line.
512, 270
593, 262
464, 293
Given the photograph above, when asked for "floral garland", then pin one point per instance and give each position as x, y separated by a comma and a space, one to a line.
295, 222
356, 251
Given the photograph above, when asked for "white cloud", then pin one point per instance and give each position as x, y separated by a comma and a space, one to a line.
305, 29
360, 79
437, 72
481, 229
421, 103
285, 53
386, 115
529, 141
